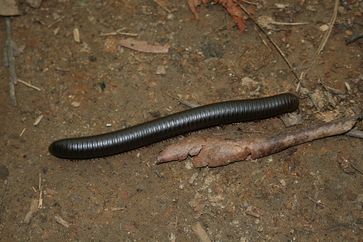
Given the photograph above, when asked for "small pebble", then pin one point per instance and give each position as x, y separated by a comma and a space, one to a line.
349, 32
170, 16
324, 27
281, 5
76, 104
161, 70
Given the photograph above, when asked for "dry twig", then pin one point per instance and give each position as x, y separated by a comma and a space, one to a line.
323, 41
29, 85
37, 121
119, 32
162, 5
40, 188
213, 152
267, 22
317, 203
22, 132
56, 21
327, 34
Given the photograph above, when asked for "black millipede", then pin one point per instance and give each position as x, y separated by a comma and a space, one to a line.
175, 124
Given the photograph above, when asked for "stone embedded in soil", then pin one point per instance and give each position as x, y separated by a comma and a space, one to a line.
4, 172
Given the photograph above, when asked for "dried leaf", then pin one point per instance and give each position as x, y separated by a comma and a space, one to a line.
235, 11
143, 46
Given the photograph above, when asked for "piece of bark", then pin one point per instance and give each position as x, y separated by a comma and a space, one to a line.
9, 8
213, 152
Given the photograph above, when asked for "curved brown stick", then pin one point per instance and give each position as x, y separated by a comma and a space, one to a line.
213, 152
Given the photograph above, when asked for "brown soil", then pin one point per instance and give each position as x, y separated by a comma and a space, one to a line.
304, 193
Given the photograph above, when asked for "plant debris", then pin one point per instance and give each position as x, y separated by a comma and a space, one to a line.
213, 152
61, 221
268, 22
33, 208
347, 165
144, 46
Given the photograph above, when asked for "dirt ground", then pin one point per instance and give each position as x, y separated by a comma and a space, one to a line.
300, 194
